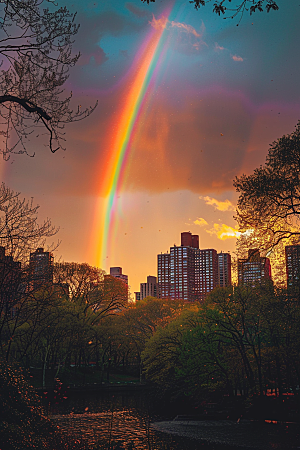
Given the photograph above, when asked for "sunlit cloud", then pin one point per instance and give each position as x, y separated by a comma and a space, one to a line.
159, 23
218, 47
237, 58
223, 231
200, 221
221, 206
163, 22
185, 27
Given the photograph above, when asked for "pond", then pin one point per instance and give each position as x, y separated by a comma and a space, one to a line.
132, 420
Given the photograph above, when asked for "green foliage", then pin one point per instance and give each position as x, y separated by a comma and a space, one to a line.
269, 199
241, 338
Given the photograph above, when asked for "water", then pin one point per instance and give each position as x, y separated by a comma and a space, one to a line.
131, 420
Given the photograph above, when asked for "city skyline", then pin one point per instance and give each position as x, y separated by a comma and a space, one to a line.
219, 96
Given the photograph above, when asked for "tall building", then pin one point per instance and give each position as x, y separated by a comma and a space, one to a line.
189, 240
292, 262
187, 272
117, 273
254, 269
11, 286
41, 267
224, 269
163, 274
182, 273
206, 272
149, 289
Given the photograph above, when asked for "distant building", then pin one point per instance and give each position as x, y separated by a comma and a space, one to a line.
206, 272
163, 274
182, 273
149, 289
224, 269
189, 240
11, 286
117, 273
254, 269
41, 267
137, 296
292, 262
187, 273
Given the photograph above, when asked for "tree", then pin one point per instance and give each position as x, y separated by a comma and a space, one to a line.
36, 47
268, 207
224, 6
20, 232
92, 289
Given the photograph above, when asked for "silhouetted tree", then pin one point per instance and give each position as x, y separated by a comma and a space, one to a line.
269, 199
225, 6
36, 49
20, 232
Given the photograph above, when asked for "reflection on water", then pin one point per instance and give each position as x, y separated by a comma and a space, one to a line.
236, 435
128, 421
125, 428
115, 421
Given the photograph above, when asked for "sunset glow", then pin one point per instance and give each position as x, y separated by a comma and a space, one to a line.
187, 101
141, 74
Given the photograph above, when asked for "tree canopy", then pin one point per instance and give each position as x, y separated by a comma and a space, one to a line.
225, 7
36, 50
269, 199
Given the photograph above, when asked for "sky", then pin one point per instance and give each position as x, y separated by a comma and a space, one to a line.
186, 102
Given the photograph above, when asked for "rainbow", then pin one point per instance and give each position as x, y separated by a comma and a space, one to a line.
142, 72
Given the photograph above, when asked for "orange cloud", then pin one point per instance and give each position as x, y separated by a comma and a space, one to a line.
201, 222
221, 206
224, 231
181, 148
163, 22
237, 58
159, 23
218, 47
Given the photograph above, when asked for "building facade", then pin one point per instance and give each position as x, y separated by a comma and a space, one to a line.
224, 269
206, 272
149, 289
41, 267
163, 274
187, 272
254, 269
292, 264
116, 272
11, 282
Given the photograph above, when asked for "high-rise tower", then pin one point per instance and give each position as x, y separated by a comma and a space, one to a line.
292, 262
224, 269
41, 267
187, 272
254, 269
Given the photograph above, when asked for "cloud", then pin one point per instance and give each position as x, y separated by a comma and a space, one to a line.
189, 151
185, 27
237, 58
185, 38
162, 22
224, 231
124, 53
221, 206
201, 222
218, 47
138, 12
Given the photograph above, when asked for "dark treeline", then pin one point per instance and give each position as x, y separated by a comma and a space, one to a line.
242, 340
